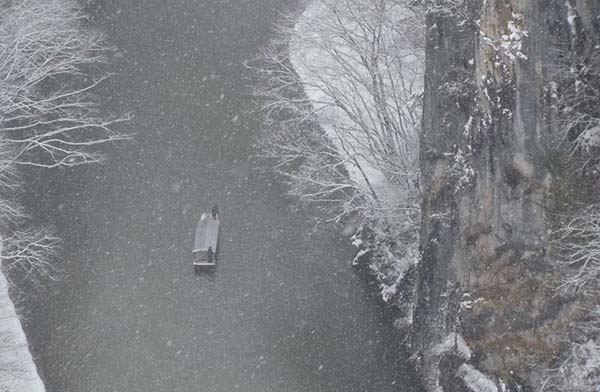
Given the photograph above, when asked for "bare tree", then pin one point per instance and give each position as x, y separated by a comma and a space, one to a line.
575, 94
577, 239
11, 368
50, 64
316, 172
28, 253
342, 96
360, 65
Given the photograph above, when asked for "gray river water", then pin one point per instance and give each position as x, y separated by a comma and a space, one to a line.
282, 312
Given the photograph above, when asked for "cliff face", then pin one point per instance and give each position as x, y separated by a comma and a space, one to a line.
486, 272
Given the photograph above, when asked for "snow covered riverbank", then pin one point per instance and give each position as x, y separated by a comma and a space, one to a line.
365, 88
18, 372
361, 67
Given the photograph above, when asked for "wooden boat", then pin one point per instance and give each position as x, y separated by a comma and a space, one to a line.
204, 253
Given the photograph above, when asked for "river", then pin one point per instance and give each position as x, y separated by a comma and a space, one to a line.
282, 312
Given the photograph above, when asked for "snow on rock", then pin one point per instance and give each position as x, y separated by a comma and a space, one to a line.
475, 380
467, 303
510, 44
356, 241
589, 139
572, 19
17, 369
391, 271
453, 343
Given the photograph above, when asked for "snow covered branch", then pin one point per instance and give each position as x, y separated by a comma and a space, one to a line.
355, 69
28, 254
50, 67
51, 64
578, 241
576, 96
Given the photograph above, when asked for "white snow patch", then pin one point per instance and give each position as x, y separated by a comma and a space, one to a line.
571, 18
396, 268
359, 255
455, 343
17, 369
357, 242
511, 43
475, 380
463, 169
468, 304
589, 139
468, 126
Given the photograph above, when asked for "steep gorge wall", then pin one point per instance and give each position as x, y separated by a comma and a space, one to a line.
486, 273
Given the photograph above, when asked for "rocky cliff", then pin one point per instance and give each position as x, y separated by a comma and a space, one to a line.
488, 276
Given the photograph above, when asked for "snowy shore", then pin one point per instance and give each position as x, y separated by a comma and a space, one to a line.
18, 372
333, 56
320, 72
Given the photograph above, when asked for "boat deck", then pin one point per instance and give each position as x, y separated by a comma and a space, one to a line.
207, 236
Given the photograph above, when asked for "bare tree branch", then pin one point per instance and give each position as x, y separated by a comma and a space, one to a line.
362, 66
577, 239
48, 114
